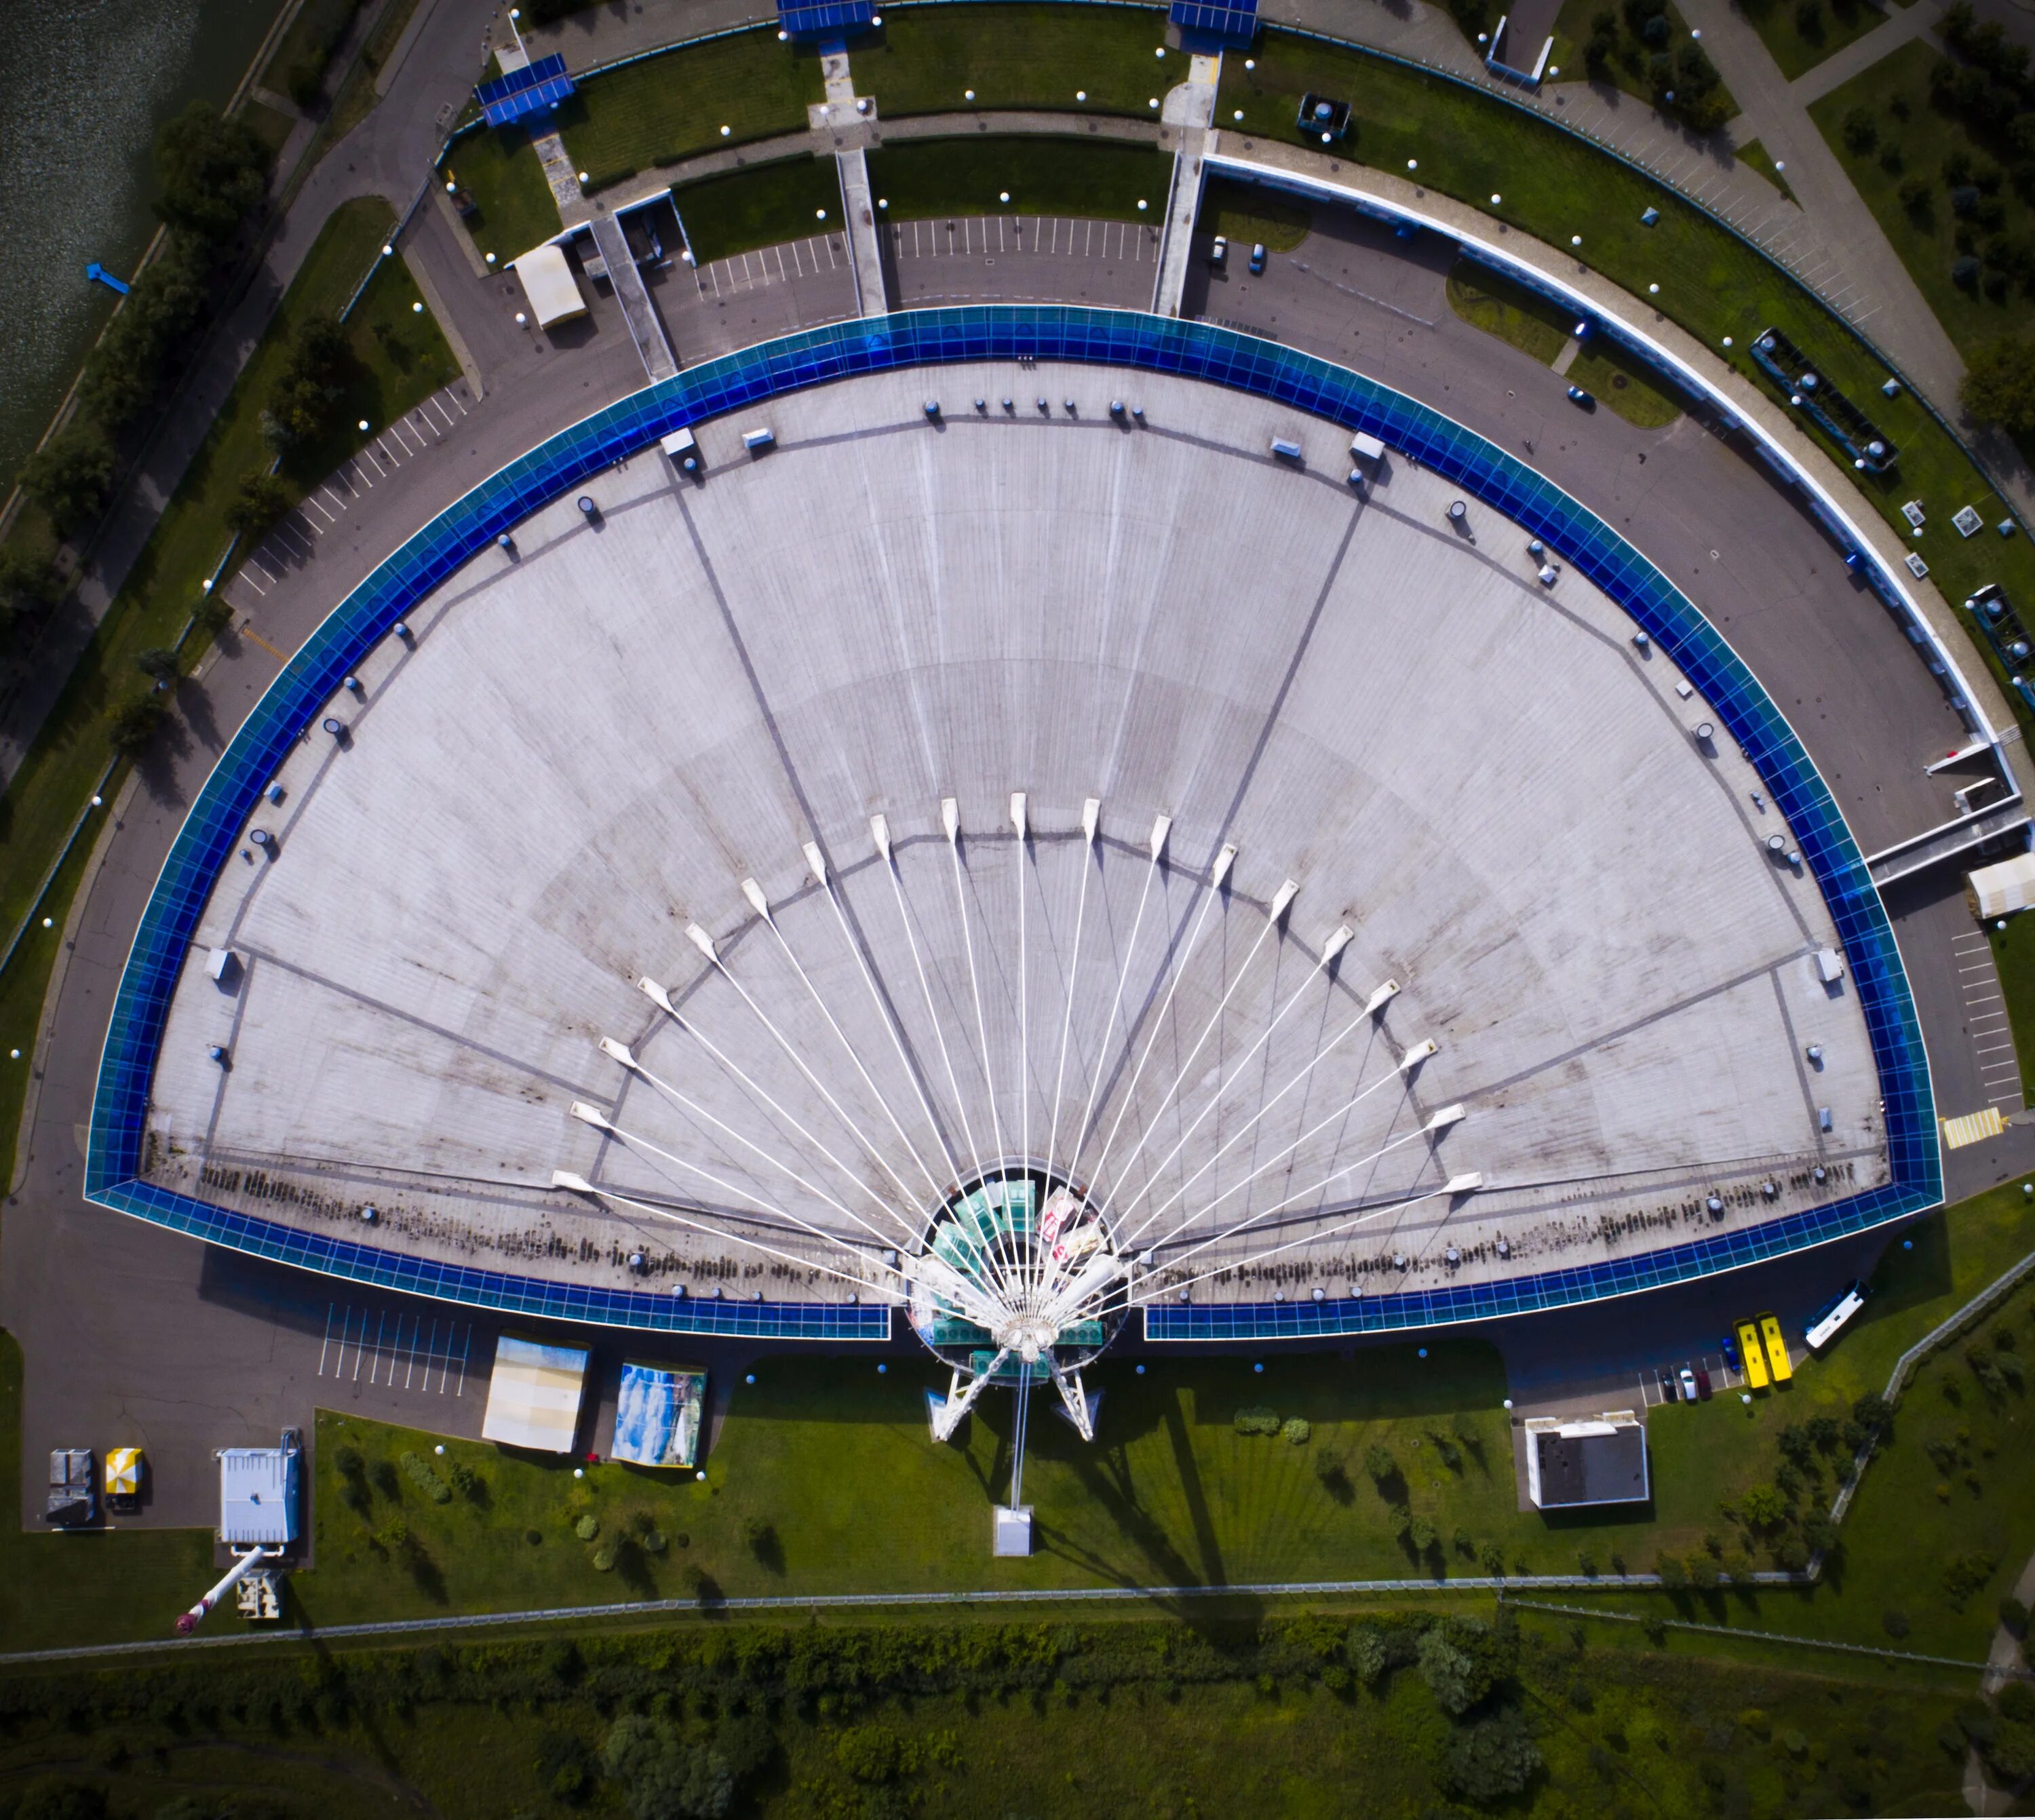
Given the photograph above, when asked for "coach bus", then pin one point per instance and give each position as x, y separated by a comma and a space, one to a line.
1823, 1326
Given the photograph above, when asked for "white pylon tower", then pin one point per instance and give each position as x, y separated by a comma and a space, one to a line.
920, 1080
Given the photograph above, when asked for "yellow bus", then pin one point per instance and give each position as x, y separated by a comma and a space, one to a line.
1754, 1363
1777, 1361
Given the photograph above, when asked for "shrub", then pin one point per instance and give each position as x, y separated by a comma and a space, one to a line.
1998, 387
1296, 1429
1366, 1653
1860, 130
1914, 193
70, 475
1965, 1575
1379, 1464
1422, 1534
587, 1528
2016, 1702
1790, 1554
1674, 1574
2014, 1615
1809, 19
421, 1475
2012, 1752
1762, 1507
604, 1557
1466, 1543
655, 1541
1964, 271
159, 664
1490, 1558
1586, 1561
1256, 1420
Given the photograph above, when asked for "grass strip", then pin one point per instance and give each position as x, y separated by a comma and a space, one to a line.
1100, 59
1099, 179
721, 91
1471, 145
1759, 161
514, 208
763, 206
1524, 319
1248, 214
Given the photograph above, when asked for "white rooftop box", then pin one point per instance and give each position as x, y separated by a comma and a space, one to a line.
678, 444
258, 1496
1366, 447
1830, 966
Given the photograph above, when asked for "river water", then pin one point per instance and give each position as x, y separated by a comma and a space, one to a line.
83, 84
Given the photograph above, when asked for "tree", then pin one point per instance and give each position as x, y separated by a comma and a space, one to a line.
1465, 1661
1860, 130
159, 664
1999, 385
316, 367
209, 170
1379, 1463
662, 1776
27, 581
1674, 1574
1491, 1759
263, 498
62, 1798
133, 728
70, 474
1763, 1508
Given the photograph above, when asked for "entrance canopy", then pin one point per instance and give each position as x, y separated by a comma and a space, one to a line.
533, 1396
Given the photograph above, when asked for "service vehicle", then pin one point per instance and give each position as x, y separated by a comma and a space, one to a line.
1824, 1324
1754, 1355
1778, 1363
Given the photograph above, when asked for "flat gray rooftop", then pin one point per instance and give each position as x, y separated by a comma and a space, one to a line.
594, 743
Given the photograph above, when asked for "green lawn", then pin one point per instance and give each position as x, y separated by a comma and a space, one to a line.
2013, 959
1536, 327
1912, 139
763, 206
1623, 385
1488, 301
1104, 180
309, 41
662, 109
1756, 159
926, 58
402, 359
1830, 25
514, 210
1471, 145
1247, 214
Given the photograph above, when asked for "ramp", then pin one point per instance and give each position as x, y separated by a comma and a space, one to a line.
633, 296
865, 245
1190, 107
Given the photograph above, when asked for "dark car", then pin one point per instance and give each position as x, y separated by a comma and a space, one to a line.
1702, 1383
1578, 396
1729, 1347
1668, 1393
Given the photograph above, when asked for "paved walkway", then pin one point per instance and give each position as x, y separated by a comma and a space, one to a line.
1916, 21
2005, 1657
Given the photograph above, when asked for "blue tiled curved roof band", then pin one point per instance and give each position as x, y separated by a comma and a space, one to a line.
1118, 338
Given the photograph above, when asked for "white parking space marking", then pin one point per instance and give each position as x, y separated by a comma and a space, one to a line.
771, 266
1985, 1019
419, 1350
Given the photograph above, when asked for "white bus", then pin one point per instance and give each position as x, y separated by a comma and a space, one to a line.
1823, 1328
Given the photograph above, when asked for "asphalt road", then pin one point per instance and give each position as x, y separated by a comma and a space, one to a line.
135, 1334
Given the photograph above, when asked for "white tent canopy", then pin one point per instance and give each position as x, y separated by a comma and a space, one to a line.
550, 285
533, 1396
2007, 887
